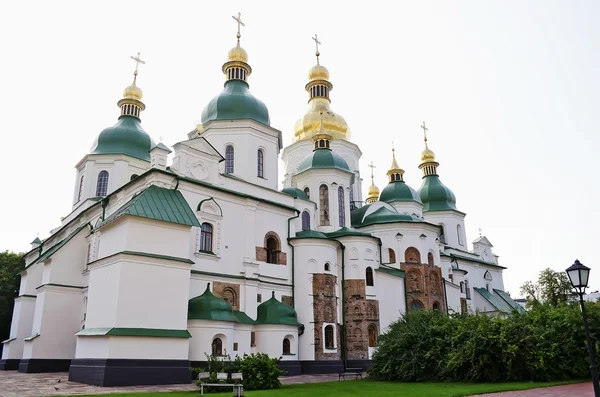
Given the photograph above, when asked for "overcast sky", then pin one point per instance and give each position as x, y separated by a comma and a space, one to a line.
509, 91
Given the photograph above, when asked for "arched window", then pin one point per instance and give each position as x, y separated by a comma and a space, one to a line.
102, 184
324, 205
133, 177
392, 255
80, 188
327, 267
416, 305
206, 237
459, 234
430, 258
372, 335
272, 247
341, 207
305, 220
329, 337
217, 347
287, 346
436, 306
307, 191
412, 255
229, 157
442, 236
369, 277
260, 163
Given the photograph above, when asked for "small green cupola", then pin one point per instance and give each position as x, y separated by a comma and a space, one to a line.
275, 312
322, 156
434, 194
209, 307
236, 102
127, 136
397, 189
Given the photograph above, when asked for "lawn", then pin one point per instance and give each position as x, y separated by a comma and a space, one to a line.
367, 388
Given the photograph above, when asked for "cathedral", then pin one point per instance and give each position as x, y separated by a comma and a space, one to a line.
173, 253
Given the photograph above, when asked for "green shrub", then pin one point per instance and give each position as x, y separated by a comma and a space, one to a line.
216, 365
260, 372
546, 344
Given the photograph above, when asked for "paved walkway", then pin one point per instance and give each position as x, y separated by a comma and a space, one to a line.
577, 390
17, 384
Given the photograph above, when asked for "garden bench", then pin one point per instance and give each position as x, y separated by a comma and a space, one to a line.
238, 388
356, 372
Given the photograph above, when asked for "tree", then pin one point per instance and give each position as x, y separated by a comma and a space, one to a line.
552, 288
11, 265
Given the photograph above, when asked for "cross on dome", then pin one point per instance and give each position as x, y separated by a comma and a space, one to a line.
371, 166
137, 60
317, 42
238, 19
425, 129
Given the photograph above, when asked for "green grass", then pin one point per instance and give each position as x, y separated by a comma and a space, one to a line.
367, 388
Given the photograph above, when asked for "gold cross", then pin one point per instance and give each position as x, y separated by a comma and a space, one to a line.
371, 166
317, 42
425, 129
239, 23
137, 60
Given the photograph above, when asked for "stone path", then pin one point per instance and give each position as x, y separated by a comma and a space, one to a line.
577, 390
17, 384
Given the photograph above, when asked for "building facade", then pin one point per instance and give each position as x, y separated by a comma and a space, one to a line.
163, 262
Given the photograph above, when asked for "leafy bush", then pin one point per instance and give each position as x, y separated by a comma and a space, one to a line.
546, 344
260, 372
216, 365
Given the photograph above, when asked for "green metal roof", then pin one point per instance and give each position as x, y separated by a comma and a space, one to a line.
310, 234
497, 303
158, 203
322, 158
236, 102
435, 195
399, 191
243, 317
346, 231
126, 137
36, 241
162, 146
391, 271
510, 301
295, 192
360, 218
61, 243
209, 307
275, 312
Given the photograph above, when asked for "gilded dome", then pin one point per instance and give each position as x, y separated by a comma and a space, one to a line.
373, 191
318, 72
309, 124
237, 53
427, 155
132, 92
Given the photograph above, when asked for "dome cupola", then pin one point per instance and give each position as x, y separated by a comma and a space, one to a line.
319, 112
397, 189
236, 102
275, 312
209, 307
127, 136
373, 192
434, 194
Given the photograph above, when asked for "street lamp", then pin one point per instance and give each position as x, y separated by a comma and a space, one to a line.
579, 276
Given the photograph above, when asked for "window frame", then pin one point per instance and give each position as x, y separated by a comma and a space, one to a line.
341, 207
369, 279
217, 347
260, 163
204, 239
229, 162
102, 183
305, 220
329, 337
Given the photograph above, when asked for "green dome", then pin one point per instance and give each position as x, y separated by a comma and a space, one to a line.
275, 312
209, 307
236, 102
126, 137
399, 191
295, 192
322, 158
435, 195
379, 213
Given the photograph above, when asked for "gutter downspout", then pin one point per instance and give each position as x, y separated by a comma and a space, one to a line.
344, 335
293, 267
405, 297
177, 184
104, 203
446, 297
380, 254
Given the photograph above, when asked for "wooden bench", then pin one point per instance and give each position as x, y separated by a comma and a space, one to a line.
356, 372
238, 388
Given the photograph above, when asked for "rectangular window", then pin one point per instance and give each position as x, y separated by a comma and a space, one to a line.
252, 339
258, 298
235, 346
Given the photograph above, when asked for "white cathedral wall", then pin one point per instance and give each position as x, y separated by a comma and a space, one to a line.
269, 340
132, 347
56, 320
453, 296
31, 279
477, 272
20, 326
67, 264
103, 296
392, 301
204, 332
453, 222
311, 256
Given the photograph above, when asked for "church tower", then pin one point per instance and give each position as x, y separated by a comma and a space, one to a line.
397, 193
237, 124
119, 153
319, 116
439, 202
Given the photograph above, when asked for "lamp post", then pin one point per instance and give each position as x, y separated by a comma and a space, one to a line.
579, 276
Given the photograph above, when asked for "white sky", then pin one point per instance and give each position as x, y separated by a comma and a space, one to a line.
509, 91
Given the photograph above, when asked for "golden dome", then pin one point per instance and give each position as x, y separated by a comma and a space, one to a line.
237, 53
318, 72
427, 155
310, 124
133, 92
373, 190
